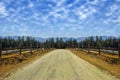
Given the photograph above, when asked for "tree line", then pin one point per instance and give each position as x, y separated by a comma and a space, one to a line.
98, 42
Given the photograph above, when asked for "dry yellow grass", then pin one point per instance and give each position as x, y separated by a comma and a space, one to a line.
113, 69
7, 68
12, 55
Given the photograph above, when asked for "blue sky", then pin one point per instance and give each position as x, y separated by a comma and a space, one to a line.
59, 18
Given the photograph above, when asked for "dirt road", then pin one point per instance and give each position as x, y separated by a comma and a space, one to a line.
60, 65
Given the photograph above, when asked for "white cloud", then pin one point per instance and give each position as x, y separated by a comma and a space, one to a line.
118, 0
83, 12
62, 11
110, 20
12, 10
113, 14
60, 3
49, 5
71, 20
75, 28
106, 21
94, 2
62, 28
113, 10
117, 20
30, 5
3, 9
59, 11
76, 1
36, 16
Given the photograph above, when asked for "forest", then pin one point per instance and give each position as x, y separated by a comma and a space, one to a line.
97, 42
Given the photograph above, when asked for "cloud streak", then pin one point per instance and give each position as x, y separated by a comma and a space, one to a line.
3, 10
59, 17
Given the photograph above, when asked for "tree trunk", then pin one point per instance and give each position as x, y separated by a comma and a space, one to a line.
82, 45
20, 51
30, 48
20, 47
78, 46
119, 52
88, 48
0, 50
37, 46
99, 51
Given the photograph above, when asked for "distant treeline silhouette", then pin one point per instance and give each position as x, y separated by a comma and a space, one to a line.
21, 41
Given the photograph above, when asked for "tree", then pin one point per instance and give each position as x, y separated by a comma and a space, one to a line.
91, 41
0, 47
98, 42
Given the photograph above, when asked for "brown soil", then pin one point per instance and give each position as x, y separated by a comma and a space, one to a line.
114, 69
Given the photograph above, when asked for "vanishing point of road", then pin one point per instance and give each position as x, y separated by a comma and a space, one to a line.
60, 65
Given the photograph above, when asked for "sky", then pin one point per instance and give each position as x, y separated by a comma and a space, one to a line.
59, 18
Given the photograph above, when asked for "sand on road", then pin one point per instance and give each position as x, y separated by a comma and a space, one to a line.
60, 65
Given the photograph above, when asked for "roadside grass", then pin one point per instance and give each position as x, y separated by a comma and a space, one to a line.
11, 62
114, 69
